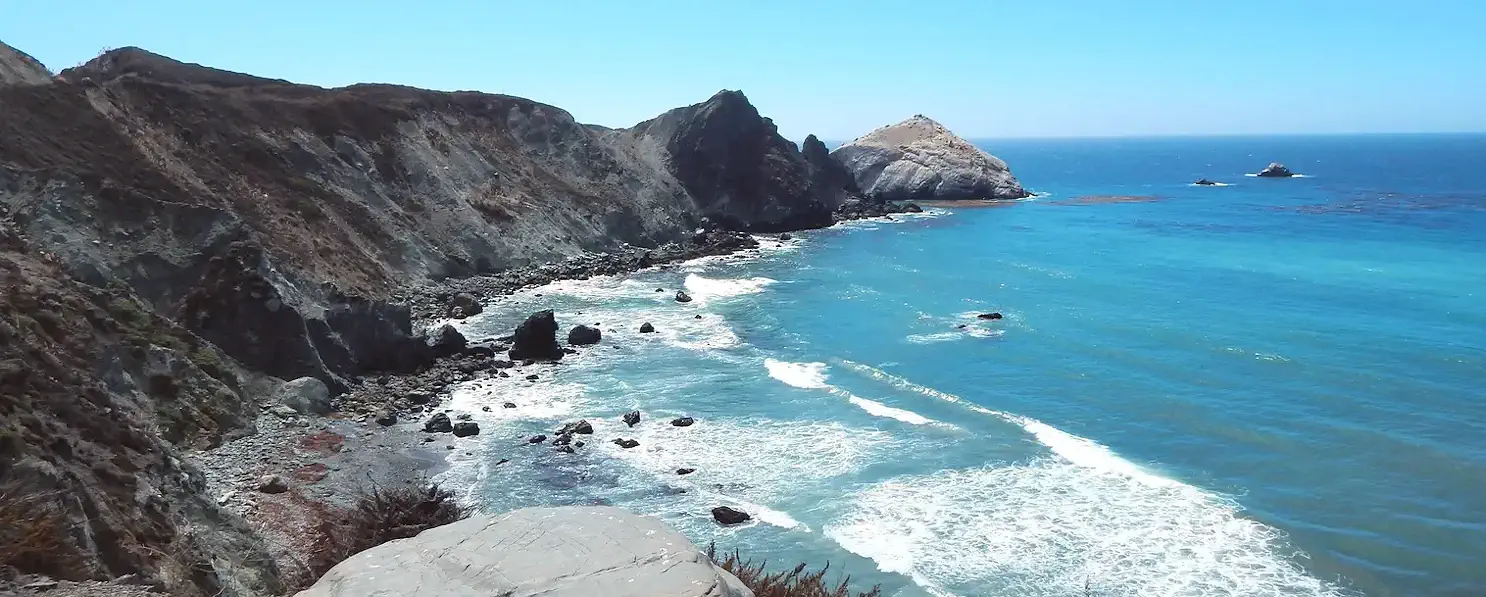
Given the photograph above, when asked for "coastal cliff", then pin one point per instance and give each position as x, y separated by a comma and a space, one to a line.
920, 160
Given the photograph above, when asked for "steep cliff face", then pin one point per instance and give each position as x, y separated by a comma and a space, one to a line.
19, 68
98, 398
736, 167
139, 168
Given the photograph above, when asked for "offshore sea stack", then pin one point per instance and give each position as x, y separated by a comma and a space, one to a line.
920, 160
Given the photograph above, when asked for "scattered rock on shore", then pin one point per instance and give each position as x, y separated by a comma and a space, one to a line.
438, 423
632, 418
646, 328
683, 421
583, 427
682, 297
446, 341
626, 443
464, 305
1203, 182
508, 405
466, 429
536, 439
988, 316
386, 418
685, 471
307, 396
272, 484
729, 516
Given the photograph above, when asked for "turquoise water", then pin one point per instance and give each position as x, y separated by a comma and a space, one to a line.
1269, 388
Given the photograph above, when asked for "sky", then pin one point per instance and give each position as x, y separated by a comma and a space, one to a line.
985, 69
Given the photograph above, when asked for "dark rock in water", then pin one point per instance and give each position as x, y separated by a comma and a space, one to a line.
626, 443
502, 461
685, 471
912, 208
1275, 170
446, 341
503, 374
464, 417
419, 397
785, 236
632, 418
536, 439
480, 350
569, 350
386, 418
961, 326
565, 449
532, 377
646, 328
660, 290
918, 159
988, 316
485, 408
464, 305
439, 423
466, 429
562, 440
508, 405
578, 444
583, 427
729, 516
682, 297
501, 364
683, 421
536, 338
583, 336
428, 440
1204, 182
698, 316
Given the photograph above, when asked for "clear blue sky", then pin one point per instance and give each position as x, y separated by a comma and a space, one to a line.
985, 68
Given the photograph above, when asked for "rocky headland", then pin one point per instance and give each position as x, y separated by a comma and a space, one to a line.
920, 160
216, 286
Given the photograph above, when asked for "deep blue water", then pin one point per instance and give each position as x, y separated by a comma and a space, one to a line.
1269, 388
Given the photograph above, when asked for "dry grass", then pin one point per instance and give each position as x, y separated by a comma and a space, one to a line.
33, 532
793, 583
379, 516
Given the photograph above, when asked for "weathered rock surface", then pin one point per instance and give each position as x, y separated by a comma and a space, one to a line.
466, 429
306, 395
918, 159
438, 423
19, 68
729, 516
1275, 170
632, 418
551, 552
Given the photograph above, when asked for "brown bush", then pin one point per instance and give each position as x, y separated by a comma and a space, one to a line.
33, 532
379, 516
793, 583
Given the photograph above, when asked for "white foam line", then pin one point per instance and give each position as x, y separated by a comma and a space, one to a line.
1077, 450
812, 376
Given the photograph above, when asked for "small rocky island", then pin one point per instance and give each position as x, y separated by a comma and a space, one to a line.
920, 160
1275, 170
1203, 182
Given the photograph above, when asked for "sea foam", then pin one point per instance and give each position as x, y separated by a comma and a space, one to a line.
812, 376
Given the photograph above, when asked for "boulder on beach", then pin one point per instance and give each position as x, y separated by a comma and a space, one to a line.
446, 341
438, 423
307, 396
632, 418
919, 159
466, 429
464, 305
536, 338
532, 552
682, 297
729, 516
1275, 170
583, 336
386, 418
272, 484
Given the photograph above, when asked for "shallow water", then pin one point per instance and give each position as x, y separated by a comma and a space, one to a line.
1268, 388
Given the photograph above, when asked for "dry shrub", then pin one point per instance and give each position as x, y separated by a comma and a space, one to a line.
379, 516
33, 531
793, 583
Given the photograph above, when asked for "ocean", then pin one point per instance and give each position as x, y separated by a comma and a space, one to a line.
1268, 388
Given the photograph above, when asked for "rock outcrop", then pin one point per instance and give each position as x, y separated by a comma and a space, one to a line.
1275, 170
583, 335
536, 338
919, 160
533, 552
19, 68
736, 168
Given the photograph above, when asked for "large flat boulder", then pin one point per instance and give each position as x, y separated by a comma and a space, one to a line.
551, 552
920, 160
